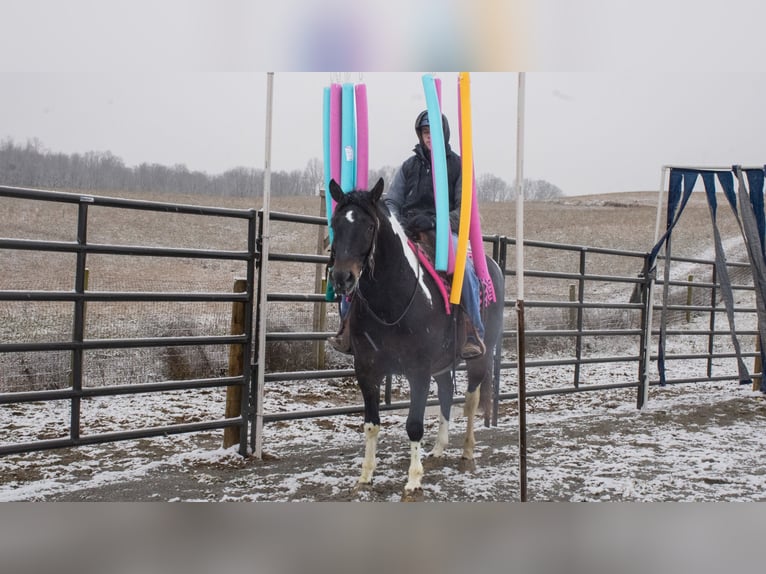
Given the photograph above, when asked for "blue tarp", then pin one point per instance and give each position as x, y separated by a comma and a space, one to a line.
751, 219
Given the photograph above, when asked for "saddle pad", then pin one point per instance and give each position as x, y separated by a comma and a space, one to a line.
439, 278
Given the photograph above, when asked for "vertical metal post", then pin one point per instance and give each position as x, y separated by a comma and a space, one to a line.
644, 337
580, 301
711, 323
522, 374
265, 239
521, 347
260, 317
247, 372
689, 297
319, 319
500, 254
78, 330
757, 365
665, 292
650, 278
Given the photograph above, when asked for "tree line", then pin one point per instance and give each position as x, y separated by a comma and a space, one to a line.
31, 165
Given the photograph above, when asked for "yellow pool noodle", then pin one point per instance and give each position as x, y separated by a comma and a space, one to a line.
466, 198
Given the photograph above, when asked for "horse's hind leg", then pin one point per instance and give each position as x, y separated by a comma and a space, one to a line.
445, 390
469, 410
479, 372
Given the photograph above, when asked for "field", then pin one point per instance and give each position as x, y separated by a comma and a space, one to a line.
583, 447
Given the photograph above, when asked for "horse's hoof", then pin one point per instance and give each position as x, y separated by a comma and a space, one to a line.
466, 465
363, 487
414, 495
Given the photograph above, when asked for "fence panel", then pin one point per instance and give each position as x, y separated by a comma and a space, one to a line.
586, 315
99, 325
103, 298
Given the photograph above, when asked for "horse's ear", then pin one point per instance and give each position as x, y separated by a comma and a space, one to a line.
335, 191
377, 191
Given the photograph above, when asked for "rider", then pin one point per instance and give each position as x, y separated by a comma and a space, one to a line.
411, 198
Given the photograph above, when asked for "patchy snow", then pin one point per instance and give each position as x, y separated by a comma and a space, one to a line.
694, 442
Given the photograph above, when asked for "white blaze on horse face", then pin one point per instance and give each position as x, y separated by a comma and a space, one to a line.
350, 216
412, 259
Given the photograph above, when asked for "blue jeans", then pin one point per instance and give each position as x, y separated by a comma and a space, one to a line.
470, 297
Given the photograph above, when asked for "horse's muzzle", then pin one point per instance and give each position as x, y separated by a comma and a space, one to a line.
343, 281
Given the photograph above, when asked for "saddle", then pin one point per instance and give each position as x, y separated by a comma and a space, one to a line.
423, 244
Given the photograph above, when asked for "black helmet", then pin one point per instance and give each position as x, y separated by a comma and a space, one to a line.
422, 121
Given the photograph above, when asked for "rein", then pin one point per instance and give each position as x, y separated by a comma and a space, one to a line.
406, 309
369, 263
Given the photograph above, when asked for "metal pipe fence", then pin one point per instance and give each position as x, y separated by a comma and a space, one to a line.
78, 345
591, 288
586, 309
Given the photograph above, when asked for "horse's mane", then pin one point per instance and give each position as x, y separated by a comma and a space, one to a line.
363, 199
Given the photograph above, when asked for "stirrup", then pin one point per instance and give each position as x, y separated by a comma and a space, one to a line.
473, 348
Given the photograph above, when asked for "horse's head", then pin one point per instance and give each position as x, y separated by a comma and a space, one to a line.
355, 224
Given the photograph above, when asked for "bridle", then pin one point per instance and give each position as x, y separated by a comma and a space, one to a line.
369, 263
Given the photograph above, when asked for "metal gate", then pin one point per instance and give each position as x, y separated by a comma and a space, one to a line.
79, 345
563, 316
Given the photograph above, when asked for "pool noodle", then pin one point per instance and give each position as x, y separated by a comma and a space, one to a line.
466, 201
439, 162
362, 138
348, 147
333, 151
335, 120
326, 157
450, 244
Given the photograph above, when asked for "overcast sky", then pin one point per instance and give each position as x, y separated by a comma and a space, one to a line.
160, 99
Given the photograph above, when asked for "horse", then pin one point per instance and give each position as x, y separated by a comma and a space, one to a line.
399, 324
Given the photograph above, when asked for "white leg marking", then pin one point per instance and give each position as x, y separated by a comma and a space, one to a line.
370, 446
469, 410
442, 438
416, 468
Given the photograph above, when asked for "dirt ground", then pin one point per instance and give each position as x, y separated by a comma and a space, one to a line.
686, 445
690, 443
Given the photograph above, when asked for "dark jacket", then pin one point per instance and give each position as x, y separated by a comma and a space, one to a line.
411, 192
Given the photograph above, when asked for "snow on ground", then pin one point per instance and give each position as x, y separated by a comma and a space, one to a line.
693, 442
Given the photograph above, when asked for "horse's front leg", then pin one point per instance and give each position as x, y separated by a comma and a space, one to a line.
370, 387
418, 397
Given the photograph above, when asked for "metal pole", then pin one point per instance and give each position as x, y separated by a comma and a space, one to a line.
520, 342
258, 430
650, 296
663, 172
